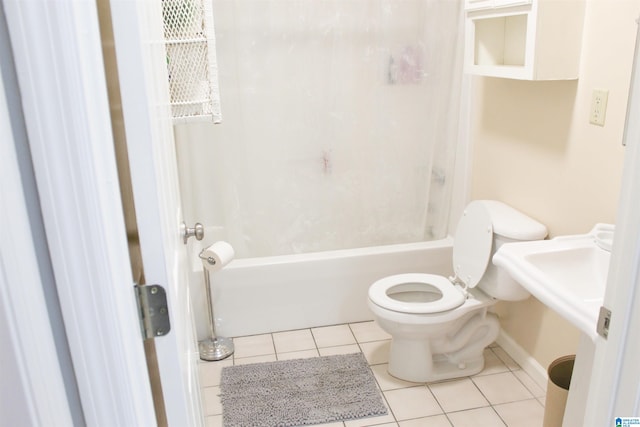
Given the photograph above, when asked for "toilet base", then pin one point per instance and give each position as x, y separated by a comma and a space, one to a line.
457, 353
440, 369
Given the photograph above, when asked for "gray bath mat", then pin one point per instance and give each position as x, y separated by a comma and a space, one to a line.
299, 392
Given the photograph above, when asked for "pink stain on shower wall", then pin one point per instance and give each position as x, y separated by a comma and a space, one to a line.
326, 162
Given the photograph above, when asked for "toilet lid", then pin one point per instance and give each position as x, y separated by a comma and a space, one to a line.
472, 244
439, 294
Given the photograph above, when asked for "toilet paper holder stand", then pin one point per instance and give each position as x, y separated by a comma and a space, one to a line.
213, 348
209, 259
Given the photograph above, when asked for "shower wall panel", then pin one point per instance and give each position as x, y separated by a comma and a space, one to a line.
340, 125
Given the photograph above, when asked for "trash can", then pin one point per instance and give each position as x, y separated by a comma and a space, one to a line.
560, 372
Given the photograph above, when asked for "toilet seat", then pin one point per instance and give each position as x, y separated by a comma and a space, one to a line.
448, 296
472, 245
418, 293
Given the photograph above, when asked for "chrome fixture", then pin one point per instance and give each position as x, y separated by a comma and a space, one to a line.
197, 231
209, 259
214, 347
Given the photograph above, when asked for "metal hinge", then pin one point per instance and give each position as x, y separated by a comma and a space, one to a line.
604, 320
153, 310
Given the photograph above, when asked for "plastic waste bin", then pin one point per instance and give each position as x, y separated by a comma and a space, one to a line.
559, 371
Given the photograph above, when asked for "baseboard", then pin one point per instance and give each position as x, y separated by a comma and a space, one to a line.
528, 364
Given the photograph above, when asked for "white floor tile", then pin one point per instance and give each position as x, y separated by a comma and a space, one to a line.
213, 421
382, 425
529, 383
435, 421
517, 399
376, 352
302, 354
293, 341
492, 364
211, 401
254, 345
342, 349
210, 371
458, 395
485, 417
502, 355
333, 336
502, 388
368, 331
526, 413
254, 359
413, 402
386, 381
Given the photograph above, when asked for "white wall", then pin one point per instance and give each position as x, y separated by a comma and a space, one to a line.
535, 150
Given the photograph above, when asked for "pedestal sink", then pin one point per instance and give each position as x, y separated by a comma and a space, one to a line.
568, 274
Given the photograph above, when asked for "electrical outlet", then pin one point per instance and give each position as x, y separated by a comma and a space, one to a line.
598, 107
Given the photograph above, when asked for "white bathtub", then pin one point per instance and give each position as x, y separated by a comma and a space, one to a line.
259, 295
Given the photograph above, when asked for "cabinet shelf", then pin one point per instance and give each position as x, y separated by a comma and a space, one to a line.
524, 39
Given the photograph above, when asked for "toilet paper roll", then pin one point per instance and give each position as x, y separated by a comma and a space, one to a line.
216, 256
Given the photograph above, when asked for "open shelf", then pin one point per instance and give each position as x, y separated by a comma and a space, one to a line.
524, 39
501, 40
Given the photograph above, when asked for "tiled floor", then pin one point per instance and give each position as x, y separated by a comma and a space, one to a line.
501, 395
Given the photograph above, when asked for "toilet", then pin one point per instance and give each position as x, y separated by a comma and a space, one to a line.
440, 325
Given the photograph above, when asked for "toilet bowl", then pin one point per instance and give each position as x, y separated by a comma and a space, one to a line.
440, 325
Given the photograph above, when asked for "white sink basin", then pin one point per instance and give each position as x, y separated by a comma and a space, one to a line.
568, 274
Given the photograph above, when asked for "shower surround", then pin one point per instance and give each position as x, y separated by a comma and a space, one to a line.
341, 125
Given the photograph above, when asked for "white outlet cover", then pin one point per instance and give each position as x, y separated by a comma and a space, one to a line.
598, 107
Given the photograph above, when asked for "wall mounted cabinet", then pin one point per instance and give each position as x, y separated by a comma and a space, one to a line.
524, 39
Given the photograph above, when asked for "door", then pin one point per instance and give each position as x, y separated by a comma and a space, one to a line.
615, 383
148, 126
57, 51
32, 386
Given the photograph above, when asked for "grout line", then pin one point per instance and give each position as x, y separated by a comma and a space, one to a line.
498, 414
353, 335
315, 342
358, 343
434, 397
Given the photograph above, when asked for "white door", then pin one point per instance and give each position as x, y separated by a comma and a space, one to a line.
32, 386
57, 51
615, 383
144, 89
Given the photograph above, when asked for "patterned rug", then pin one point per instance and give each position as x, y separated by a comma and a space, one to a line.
299, 392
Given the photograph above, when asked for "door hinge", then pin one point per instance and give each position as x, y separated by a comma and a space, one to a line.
153, 310
604, 320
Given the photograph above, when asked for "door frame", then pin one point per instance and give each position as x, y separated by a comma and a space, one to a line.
58, 58
32, 386
614, 389
70, 136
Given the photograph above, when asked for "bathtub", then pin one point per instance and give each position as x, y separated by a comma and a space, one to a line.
259, 295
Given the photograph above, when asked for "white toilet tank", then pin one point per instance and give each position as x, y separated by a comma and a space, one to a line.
509, 225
